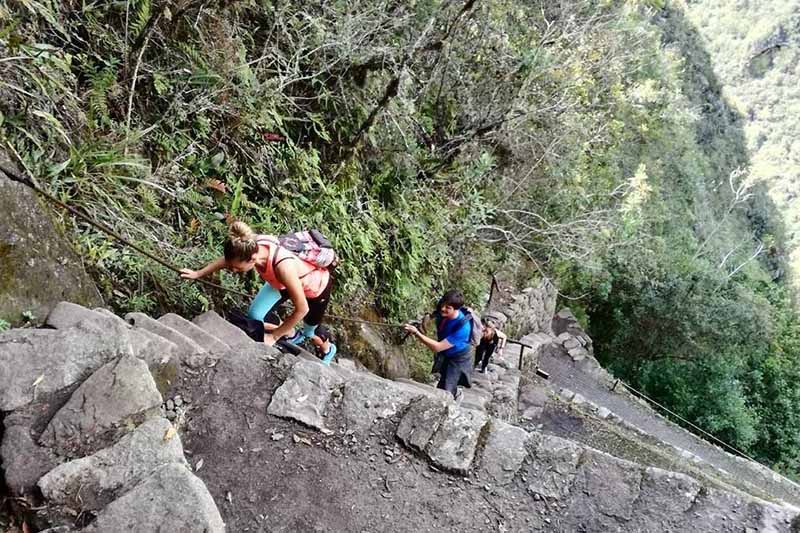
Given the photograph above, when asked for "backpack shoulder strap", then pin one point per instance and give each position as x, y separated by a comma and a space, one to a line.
453, 325
274, 241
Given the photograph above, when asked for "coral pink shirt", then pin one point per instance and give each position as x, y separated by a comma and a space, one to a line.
313, 279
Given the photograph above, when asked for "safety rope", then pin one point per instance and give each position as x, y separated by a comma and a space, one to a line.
724, 444
13, 176
575, 376
28, 182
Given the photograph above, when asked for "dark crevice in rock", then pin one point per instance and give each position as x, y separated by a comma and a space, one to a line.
699, 495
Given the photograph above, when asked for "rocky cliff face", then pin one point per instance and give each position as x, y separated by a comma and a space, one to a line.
531, 310
38, 268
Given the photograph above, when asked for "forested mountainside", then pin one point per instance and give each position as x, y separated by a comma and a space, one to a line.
434, 142
754, 48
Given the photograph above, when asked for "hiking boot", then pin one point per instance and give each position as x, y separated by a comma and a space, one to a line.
297, 338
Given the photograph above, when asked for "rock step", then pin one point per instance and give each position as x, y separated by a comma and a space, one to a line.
476, 399
195, 333
186, 345
593, 491
223, 330
35, 362
425, 389
107, 313
594, 384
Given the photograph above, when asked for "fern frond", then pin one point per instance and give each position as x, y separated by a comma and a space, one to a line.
193, 55
140, 18
101, 83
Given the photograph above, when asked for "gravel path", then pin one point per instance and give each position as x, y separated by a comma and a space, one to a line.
564, 374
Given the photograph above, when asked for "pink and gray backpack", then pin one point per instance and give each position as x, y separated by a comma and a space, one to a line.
311, 246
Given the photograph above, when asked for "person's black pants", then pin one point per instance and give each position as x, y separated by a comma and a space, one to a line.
316, 306
483, 353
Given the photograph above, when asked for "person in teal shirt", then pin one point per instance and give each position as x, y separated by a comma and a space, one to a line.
323, 341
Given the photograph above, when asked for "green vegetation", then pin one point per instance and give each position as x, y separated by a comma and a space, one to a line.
434, 142
757, 63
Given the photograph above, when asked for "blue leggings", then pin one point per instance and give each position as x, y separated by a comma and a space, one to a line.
263, 303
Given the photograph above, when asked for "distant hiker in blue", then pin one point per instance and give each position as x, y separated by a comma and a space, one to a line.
453, 358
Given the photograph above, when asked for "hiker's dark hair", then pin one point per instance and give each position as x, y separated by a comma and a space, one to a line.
241, 243
453, 298
323, 333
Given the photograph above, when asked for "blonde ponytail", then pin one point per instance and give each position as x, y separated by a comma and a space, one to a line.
241, 242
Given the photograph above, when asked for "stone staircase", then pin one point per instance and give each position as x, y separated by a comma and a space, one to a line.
581, 401
176, 425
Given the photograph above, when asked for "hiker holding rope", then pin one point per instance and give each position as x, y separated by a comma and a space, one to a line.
289, 274
457, 329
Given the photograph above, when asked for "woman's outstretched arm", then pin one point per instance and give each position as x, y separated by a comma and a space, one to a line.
213, 266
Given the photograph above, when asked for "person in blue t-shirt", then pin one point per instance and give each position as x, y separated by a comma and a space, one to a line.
452, 347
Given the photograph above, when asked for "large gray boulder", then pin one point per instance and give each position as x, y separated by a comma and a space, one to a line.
37, 265
92, 482
172, 499
146, 345
23, 461
420, 422
305, 394
455, 441
367, 400
37, 362
504, 452
108, 399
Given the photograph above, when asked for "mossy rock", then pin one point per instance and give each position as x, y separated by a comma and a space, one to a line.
38, 268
